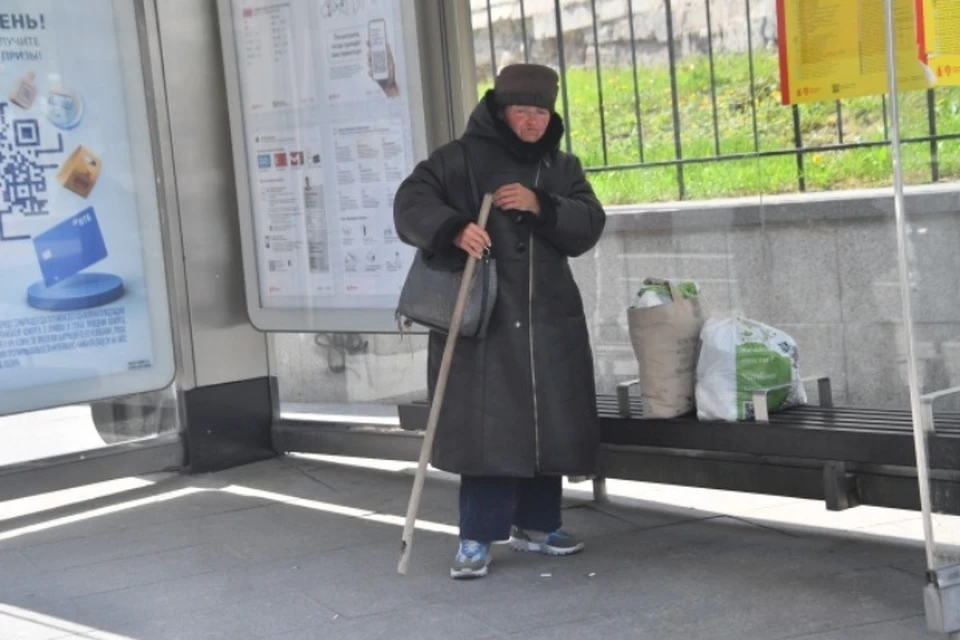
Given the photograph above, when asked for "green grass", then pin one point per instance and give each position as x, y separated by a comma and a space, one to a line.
862, 122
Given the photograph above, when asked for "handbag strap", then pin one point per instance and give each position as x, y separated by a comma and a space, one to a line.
471, 180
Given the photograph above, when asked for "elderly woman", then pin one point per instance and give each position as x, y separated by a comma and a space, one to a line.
520, 406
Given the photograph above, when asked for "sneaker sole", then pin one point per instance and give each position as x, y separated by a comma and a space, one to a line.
518, 544
465, 574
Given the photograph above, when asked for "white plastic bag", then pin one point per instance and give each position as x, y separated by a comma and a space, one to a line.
739, 356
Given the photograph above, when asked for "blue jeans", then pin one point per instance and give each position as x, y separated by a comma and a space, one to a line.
490, 505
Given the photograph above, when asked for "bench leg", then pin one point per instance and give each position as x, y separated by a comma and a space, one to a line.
840, 488
600, 490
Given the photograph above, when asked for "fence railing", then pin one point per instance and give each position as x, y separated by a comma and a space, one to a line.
800, 147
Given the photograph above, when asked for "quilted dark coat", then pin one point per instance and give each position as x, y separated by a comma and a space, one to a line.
522, 401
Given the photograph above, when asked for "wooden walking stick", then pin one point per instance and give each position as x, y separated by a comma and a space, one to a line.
438, 393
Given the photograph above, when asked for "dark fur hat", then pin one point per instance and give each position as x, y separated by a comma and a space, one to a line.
527, 84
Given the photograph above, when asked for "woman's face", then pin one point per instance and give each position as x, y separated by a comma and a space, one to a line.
529, 123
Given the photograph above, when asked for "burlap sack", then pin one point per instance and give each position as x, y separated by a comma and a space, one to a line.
665, 342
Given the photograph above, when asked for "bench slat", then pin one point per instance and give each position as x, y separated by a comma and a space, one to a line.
810, 415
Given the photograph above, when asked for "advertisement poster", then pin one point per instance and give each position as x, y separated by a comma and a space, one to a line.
370, 168
73, 297
821, 59
358, 47
290, 192
938, 24
276, 61
326, 150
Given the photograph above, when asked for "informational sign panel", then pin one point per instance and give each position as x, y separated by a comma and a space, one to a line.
834, 49
327, 121
83, 305
938, 24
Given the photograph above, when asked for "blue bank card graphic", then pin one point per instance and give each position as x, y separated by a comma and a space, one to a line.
69, 247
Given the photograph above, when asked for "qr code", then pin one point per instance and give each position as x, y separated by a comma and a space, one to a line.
27, 158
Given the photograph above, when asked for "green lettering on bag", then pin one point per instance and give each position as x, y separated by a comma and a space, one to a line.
759, 367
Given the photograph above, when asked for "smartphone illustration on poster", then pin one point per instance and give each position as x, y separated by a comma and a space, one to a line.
377, 36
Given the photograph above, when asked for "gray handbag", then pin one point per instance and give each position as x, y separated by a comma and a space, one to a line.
430, 291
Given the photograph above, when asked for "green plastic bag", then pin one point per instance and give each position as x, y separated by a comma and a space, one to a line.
739, 356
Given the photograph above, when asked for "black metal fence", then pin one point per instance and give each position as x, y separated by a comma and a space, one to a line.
800, 149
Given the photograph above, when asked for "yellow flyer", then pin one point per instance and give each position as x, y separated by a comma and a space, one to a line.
833, 49
938, 34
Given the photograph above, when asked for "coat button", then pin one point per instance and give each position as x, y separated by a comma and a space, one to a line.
519, 218
521, 246
518, 325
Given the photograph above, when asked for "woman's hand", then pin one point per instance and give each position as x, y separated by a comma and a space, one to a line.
516, 197
473, 240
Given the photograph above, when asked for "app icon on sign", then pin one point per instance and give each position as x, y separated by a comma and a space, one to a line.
63, 105
80, 172
24, 91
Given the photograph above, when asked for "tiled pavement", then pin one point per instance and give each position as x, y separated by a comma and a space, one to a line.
298, 547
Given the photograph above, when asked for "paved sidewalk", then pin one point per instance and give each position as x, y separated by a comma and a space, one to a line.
302, 548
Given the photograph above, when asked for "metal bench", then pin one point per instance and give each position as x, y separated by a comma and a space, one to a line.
845, 456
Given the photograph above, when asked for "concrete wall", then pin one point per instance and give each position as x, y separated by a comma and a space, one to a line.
821, 267
728, 26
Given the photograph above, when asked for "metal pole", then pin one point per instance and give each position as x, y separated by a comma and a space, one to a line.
932, 128
562, 62
798, 143
919, 434
636, 85
596, 55
713, 80
523, 32
886, 118
493, 51
672, 55
753, 79
839, 122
